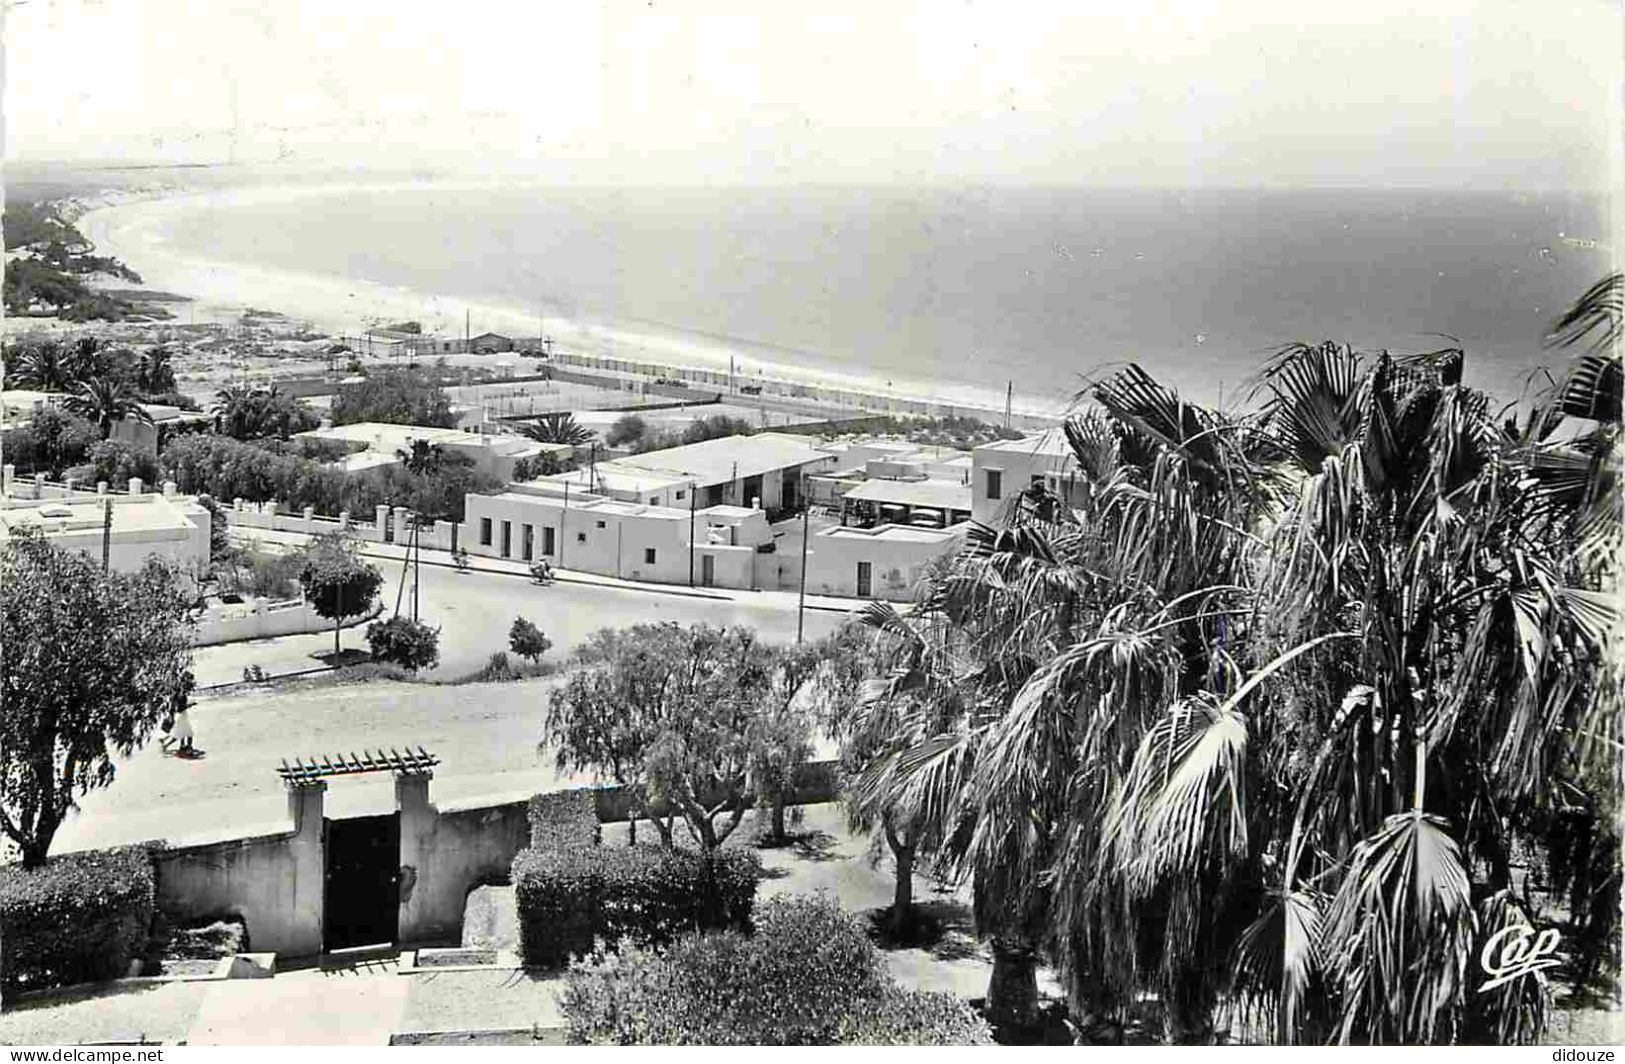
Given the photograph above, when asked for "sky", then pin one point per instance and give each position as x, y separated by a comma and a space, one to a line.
1441, 93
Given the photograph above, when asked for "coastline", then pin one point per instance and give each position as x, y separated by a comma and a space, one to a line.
130, 227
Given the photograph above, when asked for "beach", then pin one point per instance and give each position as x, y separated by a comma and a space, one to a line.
132, 228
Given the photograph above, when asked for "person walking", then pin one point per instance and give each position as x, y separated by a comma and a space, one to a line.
181, 733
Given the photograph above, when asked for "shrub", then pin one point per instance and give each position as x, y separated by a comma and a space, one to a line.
564, 818
404, 642
79, 918
497, 670
808, 976
569, 897
526, 640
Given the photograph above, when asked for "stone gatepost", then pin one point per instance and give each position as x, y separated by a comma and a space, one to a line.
418, 820
303, 934
344, 520
8, 473
381, 517
169, 489
101, 487
135, 487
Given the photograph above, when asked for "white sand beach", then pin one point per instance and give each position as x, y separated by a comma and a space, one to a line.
132, 227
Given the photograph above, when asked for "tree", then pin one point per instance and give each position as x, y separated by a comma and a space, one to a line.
247, 413
404, 642
154, 374
715, 427
336, 581
628, 429
92, 663
61, 438
810, 684
115, 462
557, 428
395, 396
605, 715
421, 457
45, 365
527, 640
106, 401
712, 732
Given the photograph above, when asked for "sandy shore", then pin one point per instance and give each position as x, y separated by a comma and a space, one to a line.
133, 228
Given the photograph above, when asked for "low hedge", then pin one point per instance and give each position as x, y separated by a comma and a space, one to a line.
569, 897
563, 819
808, 976
79, 918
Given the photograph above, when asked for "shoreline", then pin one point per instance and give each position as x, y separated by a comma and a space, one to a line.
130, 226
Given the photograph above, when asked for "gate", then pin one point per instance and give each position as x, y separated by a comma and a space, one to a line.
362, 892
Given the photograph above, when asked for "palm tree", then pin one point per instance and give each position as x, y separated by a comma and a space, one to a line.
1258, 679
236, 410
421, 457
557, 428
45, 366
106, 402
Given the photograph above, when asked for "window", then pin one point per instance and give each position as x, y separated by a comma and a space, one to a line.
1037, 480
600, 524
581, 537
527, 540
547, 539
995, 483
648, 555
682, 495
654, 502
507, 538
485, 531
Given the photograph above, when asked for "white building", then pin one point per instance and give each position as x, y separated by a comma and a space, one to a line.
762, 471
20, 404
1003, 469
714, 546
373, 444
173, 527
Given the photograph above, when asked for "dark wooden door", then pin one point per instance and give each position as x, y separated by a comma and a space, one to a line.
865, 579
362, 895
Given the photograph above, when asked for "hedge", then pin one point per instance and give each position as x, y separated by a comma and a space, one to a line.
808, 976
646, 894
564, 818
79, 918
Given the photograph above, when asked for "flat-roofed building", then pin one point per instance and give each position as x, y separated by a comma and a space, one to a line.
762, 471
1004, 469
172, 527
491, 453
631, 540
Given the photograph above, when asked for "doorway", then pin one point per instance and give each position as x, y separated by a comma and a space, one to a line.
362, 891
708, 571
865, 579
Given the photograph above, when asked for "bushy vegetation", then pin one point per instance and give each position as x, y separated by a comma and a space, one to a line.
229, 469
569, 897
807, 976
52, 442
527, 640
395, 396
704, 721
337, 582
57, 256
1194, 732
93, 662
79, 918
640, 437
957, 431
561, 819
402, 641
247, 413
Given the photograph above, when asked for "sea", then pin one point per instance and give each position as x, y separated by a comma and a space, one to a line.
970, 291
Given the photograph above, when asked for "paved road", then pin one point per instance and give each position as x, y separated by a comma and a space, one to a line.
475, 609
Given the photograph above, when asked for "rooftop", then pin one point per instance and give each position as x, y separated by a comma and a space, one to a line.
382, 436
1049, 442
727, 458
937, 494
140, 513
611, 476
893, 533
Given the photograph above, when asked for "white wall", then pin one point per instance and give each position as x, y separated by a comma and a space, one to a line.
896, 564
1016, 468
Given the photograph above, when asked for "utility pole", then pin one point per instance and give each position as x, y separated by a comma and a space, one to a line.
417, 564
107, 533
466, 316
1009, 388
562, 515
691, 488
801, 600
